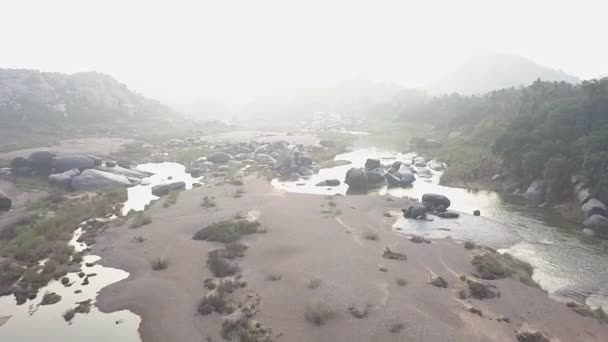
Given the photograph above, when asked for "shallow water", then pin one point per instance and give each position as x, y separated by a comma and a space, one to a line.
567, 263
141, 195
33, 322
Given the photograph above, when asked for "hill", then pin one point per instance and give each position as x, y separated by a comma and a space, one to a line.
485, 73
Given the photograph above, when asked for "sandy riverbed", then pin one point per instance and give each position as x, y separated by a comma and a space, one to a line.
302, 244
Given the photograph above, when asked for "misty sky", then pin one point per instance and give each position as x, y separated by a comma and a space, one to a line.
179, 50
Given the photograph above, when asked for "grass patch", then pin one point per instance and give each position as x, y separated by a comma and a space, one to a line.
171, 198
227, 231
274, 277
492, 265
314, 283
469, 245
142, 218
359, 311
318, 313
208, 202
389, 254
396, 327
401, 282
160, 264
369, 235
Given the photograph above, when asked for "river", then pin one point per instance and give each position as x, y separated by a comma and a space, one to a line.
568, 264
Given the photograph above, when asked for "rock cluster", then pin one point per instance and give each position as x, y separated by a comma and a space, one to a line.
594, 212
434, 204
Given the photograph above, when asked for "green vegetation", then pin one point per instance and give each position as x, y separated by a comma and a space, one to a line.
492, 265
227, 231
318, 313
142, 218
171, 198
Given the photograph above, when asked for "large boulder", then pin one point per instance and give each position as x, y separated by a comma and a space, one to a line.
597, 223
161, 189
356, 179
66, 163
5, 202
196, 172
265, 159
371, 164
375, 177
42, 161
436, 200
536, 191
593, 207
583, 196
21, 167
218, 157
178, 185
415, 212
64, 179
91, 179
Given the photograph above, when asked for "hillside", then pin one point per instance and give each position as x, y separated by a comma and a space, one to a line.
485, 73
33, 98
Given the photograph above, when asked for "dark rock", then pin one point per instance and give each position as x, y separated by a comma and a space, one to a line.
438, 281
21, 167
593, 207
447, 215
42, 161
396, 166
96, 160
536, 191
196, 172
371, 164
327, 143
265, 159
306, 160
218, 157
375, 177
177, 185
91, 179
64, 179
527, 334
5, 202
356, 179
110, 163
419, 239
476, 212
332, 182
66, 163
436, 200
161, 189
597, 223
415, 212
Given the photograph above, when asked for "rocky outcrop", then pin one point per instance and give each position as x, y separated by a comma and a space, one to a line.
64, 179
92, 180
5, 202
66, 163
398, 179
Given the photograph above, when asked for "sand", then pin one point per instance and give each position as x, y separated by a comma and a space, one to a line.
302, 244
100, 146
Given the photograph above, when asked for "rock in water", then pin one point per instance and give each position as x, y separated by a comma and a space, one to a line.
476, 212
356, 179
177, 185
332, 182
62, 164
375, 177
64, 179
92, 179
436, 200
196, 172
5, 202
161, 189
371, 164
536, 191
218, 157
593, 207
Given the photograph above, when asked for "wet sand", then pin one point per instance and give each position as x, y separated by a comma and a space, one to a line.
303, 244
101, 146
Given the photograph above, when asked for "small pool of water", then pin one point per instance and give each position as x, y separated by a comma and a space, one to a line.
34, 322
141, 195
567, 263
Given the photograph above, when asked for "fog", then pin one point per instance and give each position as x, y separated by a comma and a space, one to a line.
226, 52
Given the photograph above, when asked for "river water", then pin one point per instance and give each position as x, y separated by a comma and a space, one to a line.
568, 264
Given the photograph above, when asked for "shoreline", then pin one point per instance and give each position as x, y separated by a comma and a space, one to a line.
174, 293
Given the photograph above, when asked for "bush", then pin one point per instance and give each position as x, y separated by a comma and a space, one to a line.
369, 235
359, 311
492, 265
401, 282
208, 202
160, 264
171, 199
141, 219
227, 231
314, 283
274, 277
318, 313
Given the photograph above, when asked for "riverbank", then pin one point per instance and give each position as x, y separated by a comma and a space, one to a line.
340, 251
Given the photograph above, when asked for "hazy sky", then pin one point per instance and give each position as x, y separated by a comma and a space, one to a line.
178, 50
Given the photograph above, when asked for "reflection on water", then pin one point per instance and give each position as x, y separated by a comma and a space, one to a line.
562, 256
141, 195
31, 322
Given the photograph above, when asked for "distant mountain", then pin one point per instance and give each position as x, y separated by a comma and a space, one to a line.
489, 72
34, 98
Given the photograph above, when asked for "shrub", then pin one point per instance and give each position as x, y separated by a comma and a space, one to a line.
492, 265
274, 277
369, 235
359, 311
171, 199
208, 202
318, 313
401, 282
160, 264
227, 231
141, 219
219, 266
314, 283
469, 245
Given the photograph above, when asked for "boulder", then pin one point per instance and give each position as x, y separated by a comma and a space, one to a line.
332, 182
476, 212
447, 214
224, 168
375, 177
597, 223
265, 159
119, 170
21, 167
160, 189
92, 179
371, 164
536, 191
436, 200
177, 185
66, 163
583, 196
593, 207
196, 172
42, 161
415, 212
356, 179
306, 160
110, 163
435, 165
396, 166
5, 202
64, 179
218, 157
397, 179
